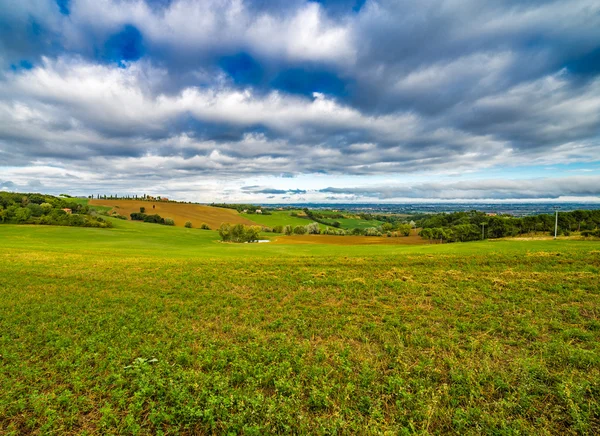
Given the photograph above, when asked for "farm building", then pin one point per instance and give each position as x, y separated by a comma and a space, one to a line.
67, 210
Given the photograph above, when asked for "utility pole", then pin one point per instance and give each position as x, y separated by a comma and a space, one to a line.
556, 222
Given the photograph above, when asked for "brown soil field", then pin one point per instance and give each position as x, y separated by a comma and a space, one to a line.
179, 212
349, 240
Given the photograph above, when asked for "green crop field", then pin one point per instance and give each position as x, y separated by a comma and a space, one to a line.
148, 329
351, 223
279, 218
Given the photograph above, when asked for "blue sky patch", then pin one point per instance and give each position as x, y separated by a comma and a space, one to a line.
124, 46
63, 6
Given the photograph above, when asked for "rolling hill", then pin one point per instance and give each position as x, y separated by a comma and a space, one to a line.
179, 212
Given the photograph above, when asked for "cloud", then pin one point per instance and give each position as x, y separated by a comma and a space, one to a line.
182, 90
497, 189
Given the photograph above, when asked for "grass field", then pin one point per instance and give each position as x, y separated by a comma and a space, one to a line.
147, 329
279, 218
349, 240
179, 212
351, 223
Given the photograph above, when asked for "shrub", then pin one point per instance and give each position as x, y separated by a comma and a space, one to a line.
142, 209
169, 222
46, 208
204, 226
300, 230
135, 216
239, 233
288, 230
372, 231
188, 224
312, 229
588, 233
157, 219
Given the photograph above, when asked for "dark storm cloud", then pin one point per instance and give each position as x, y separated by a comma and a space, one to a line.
284, 88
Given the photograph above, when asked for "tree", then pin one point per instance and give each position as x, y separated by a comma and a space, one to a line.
142, 209
288, 230
22, 214
239, 233
426, 234
225, 232
252, 233
404, 229
204, 226
372, 231
300, 230
312, 229
36, 209
188, 224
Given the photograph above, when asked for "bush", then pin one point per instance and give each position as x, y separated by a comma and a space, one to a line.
288, 230
592, 233
239, 233
157, 219
312, 229
169, 222
278, 229
135, 216
204, 226
142, 209
188, 224
300, 230
46, 208
372, 231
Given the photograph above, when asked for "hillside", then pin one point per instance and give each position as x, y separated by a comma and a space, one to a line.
179, 212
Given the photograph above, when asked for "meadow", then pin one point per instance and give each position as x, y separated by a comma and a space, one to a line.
279, 218
148, 329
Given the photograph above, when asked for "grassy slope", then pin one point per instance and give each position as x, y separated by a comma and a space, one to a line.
467, 338
279, 218
179, 212
351, 223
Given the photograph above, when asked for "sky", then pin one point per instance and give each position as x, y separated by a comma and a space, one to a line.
274, 101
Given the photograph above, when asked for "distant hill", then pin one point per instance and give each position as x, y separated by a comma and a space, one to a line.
179, 212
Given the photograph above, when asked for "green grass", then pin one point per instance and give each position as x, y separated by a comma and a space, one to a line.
85, 201
146, 329
351, 223
279, 218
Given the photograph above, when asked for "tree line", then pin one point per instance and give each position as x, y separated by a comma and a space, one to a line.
28, 208
154, 218
473, 225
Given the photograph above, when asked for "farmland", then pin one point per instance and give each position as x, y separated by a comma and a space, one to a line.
278, 218
179, 212
147, 329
